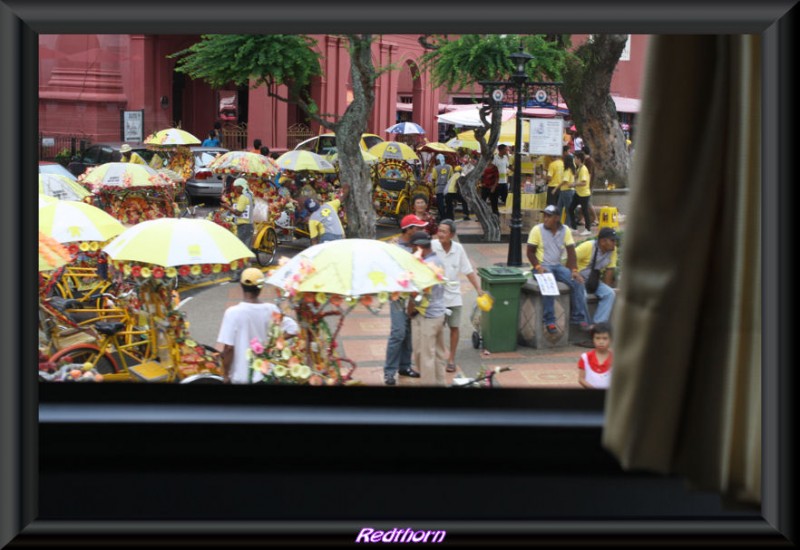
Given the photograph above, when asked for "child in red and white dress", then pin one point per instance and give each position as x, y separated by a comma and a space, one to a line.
594, 367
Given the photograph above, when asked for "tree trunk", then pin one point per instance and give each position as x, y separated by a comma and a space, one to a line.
353, 172
586, 90
490, 222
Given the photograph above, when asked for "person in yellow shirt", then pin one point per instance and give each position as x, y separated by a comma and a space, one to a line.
567, 190
547, 242
555, 174
582, 194
324, 224
128, 155
242, 209
604, 261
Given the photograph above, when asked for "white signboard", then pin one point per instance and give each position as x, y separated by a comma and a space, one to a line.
133, 126
547, 284
48, 142
546, 135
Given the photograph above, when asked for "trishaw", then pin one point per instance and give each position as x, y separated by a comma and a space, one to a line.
153, 343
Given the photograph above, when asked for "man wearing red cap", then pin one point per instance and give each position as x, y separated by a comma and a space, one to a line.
398, 350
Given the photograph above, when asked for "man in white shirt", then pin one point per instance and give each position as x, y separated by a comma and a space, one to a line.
248, 319
501, 160
456, 263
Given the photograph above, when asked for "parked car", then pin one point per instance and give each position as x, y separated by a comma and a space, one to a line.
46, 167
325, 144
101, 153
204, 185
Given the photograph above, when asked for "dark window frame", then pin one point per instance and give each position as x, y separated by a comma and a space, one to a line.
452, 415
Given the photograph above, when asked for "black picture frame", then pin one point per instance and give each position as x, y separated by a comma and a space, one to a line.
347, 458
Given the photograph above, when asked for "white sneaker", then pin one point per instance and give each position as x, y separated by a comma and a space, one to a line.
585, 233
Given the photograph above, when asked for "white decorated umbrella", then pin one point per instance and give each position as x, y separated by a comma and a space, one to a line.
171, 137
406, 128
244, 163
369, 158
44, 200
170, 242
71, 221
61, 187
124, 175
354, 267
299, 161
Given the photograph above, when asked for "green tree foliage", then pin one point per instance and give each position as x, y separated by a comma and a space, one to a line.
460, 62
249, 59
274, 60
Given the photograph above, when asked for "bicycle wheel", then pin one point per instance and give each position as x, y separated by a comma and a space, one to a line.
266, 246
82, 353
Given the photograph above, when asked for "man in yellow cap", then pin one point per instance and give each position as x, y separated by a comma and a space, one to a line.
129, 155
251, 318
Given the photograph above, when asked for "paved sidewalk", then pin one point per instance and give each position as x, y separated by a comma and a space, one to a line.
364, 335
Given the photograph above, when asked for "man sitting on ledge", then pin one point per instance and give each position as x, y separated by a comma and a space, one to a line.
546, 243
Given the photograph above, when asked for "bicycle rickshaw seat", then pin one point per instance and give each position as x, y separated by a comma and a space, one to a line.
62, 304
109, 327
392, 184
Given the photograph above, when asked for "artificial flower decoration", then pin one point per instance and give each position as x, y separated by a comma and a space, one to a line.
146, 272
171, 272
158, 272
136, 271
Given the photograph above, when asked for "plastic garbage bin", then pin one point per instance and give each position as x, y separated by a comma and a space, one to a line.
499, 325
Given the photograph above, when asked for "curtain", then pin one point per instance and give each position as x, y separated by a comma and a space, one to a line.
685, 396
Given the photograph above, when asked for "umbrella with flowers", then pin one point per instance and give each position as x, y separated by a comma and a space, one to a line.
175, 141
156, 255
132, 192
61, 187
331, 279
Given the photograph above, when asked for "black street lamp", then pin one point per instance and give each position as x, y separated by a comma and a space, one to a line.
519, 78
545, 93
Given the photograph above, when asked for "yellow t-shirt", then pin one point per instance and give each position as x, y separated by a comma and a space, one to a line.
582, 188
556, 172
584, 253
566, 180
135, 158
535, 238
243, 207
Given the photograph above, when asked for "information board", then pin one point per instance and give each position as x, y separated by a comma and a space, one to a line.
546, 136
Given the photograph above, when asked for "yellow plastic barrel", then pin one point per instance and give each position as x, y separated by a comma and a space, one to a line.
608, 217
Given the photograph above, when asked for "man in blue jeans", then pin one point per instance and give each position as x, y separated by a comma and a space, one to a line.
398, 351
547, 242
602, 254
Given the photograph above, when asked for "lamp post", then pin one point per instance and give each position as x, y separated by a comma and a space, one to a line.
494, 93
519, 78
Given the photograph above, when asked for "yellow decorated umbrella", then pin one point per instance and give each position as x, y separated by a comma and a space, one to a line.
170, 242
171, 137
299, 161
70, 221
354, 267
244, 163
393, 150
124, 175
368, 157
61, 187
468, 143
52, 254
436, 147
508, 133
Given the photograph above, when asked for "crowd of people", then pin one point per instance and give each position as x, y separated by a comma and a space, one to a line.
425, 329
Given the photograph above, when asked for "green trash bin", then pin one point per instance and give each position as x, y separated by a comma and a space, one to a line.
500, 324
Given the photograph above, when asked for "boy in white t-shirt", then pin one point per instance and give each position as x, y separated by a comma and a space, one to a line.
594, 367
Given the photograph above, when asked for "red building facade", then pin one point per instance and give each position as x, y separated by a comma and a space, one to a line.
86, 81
